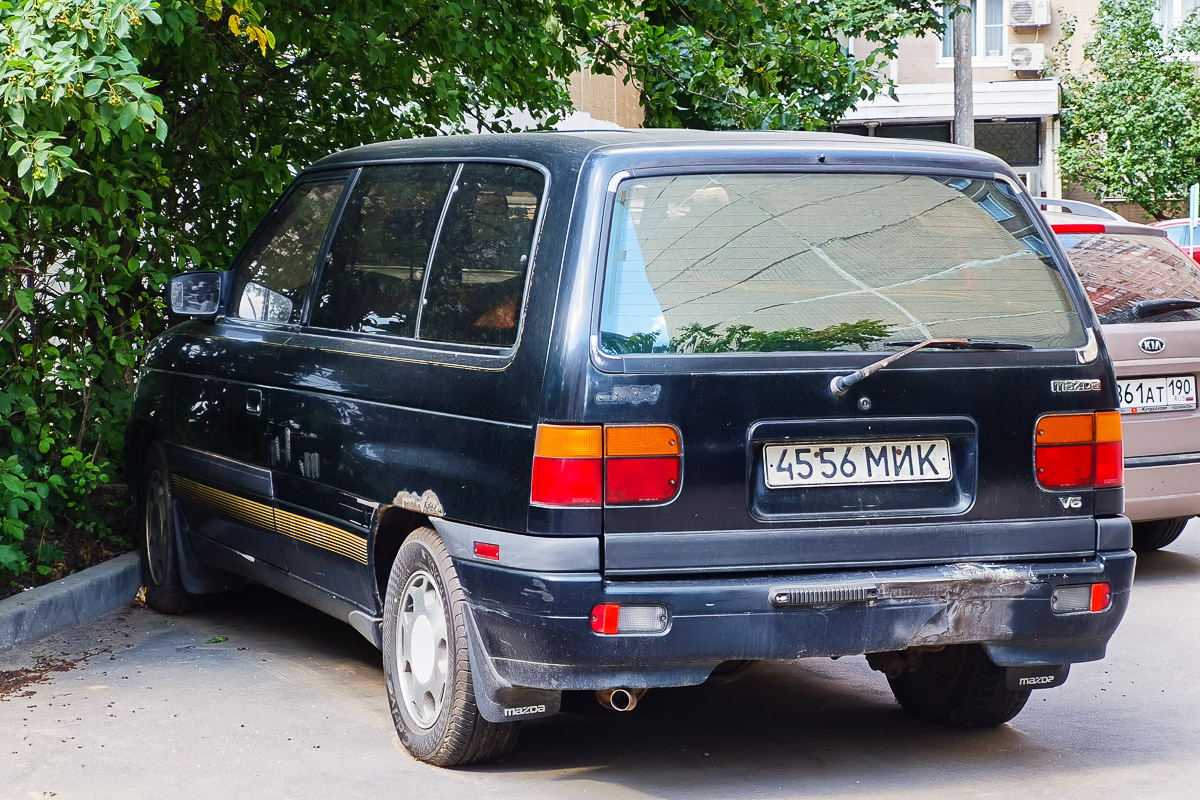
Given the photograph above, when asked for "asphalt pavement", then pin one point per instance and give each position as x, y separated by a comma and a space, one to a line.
263, 697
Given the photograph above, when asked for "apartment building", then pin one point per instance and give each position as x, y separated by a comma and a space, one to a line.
1017, 100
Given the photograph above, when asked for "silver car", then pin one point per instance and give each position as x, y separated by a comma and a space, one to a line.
1146, 292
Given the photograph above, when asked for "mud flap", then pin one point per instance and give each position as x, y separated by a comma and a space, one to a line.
1040, 677
497, 699
197, 578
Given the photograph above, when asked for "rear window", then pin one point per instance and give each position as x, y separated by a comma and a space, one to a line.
1119, 270
723, 263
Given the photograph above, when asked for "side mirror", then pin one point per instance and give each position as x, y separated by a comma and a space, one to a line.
197, 294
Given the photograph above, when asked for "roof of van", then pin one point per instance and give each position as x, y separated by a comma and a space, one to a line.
577, 145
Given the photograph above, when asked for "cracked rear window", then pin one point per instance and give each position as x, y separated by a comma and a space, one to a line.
727, 263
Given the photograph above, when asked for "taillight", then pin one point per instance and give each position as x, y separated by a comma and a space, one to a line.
1079, 451
585, 465
641, 463
568, 466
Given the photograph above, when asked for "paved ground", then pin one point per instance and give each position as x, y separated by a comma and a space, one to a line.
292, 705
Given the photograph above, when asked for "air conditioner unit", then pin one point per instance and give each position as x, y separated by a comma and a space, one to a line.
1026, 57
1027, 13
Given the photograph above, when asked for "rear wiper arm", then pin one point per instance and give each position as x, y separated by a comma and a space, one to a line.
842, 383
964, 344
1148, 308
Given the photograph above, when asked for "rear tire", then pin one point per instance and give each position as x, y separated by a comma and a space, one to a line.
425, 661
1157, 534
958, 687
158, 551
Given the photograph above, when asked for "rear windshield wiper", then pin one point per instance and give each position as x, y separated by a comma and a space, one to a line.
842, 383
963, 344
1165, 305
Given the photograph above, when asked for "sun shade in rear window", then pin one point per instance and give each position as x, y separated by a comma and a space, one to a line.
1119, 270
723, 263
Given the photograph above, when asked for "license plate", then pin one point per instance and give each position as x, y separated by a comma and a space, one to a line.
857, 463
1170, 393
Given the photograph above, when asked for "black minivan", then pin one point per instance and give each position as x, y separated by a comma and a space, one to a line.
618, 410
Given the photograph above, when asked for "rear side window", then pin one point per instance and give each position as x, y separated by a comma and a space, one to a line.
1119, 270
1179, 234
376, 267
723, 263
477, 277
273, 276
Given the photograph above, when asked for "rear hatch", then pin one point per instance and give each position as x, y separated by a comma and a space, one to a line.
729, 303
1133, 273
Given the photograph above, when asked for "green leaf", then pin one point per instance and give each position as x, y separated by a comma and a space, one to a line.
24, 298
16, 112
23, 166
217, 640
128, 113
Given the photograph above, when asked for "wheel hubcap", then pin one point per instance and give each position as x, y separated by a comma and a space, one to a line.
422, 653
157, 526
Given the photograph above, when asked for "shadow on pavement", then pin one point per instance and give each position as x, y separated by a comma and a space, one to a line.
1166, 566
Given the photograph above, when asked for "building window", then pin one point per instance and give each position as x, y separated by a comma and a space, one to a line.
1169, 13
990, 29
1017, 143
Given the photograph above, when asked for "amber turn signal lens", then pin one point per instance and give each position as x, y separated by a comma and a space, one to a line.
641, 440
569, 441
1065, 429
1108, 426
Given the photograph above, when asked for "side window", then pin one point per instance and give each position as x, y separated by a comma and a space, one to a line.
477, 277
373, 276
273, 277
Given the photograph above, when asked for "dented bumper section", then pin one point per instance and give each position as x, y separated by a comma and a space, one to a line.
533, 629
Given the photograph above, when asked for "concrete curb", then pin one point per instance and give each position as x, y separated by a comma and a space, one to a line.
76, 598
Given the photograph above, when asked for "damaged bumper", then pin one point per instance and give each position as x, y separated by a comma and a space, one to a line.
533, 630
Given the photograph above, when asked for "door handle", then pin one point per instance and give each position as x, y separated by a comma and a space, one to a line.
254, 401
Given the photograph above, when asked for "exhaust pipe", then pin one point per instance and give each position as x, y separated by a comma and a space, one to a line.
619, 699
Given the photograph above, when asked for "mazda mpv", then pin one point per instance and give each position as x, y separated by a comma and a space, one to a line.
611, 411
1146, 292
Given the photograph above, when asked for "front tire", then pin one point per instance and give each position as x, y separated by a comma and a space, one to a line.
158, 551
958, 687
426, 665
1157, 534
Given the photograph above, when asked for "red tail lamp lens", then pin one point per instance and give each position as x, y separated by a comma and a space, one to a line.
641, 480
1065, 467
1110, 464
566, 481
1101, 596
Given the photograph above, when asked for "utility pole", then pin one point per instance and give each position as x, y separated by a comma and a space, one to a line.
964, 99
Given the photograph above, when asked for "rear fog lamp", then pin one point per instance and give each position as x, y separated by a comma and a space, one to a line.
613, 619
1087, 597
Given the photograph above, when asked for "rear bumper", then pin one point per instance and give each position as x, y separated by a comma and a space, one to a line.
534, 630
1162, 492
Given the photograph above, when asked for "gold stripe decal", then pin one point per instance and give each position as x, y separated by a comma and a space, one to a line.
318, 534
